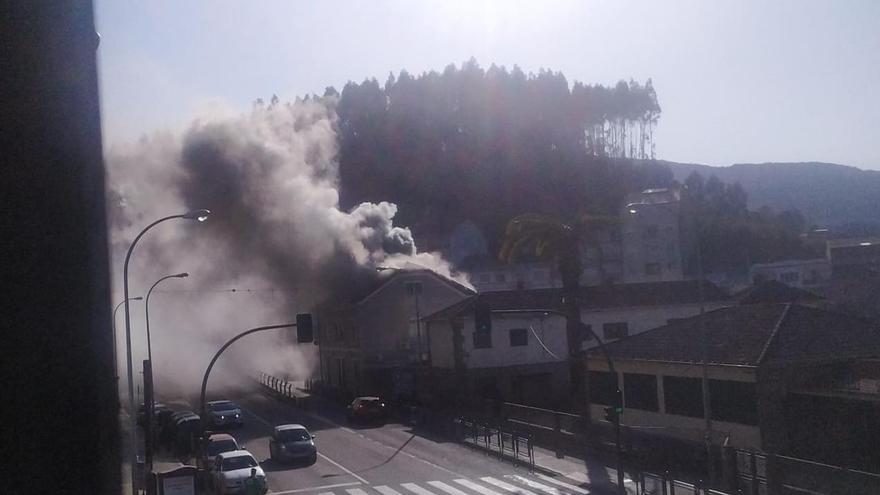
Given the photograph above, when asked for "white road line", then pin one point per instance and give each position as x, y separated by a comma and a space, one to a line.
506, 486
482, 490
451, 490
331, 461
416, 489
356, 491
386, 490
324, 487
568, 486
340, 466
534, 484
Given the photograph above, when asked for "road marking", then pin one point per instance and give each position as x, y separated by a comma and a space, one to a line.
331, 461
534, 484
356, 491
451, 490
506, 486
300, 490
386, 490
573, 488
475, 487
416, 489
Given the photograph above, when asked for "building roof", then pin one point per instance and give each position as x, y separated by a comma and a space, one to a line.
753, 335
414, 270
592, 298
773, 291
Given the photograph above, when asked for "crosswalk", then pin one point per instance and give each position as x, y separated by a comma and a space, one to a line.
510, 484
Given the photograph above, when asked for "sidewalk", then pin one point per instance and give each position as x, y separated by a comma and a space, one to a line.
590, 474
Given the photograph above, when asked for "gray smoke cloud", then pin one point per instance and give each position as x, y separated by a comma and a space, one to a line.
276, 236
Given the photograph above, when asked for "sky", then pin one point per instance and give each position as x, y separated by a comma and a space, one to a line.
740, 81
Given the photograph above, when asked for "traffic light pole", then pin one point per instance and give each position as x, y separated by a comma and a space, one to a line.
618, 396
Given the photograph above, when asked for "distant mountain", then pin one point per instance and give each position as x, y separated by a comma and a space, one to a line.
829, 195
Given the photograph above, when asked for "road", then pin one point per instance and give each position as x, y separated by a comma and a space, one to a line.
387, 459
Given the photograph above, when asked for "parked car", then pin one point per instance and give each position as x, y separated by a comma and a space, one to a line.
158, 408
224, 413
213, 445
291, 443
186, 430
366, 409
236, 472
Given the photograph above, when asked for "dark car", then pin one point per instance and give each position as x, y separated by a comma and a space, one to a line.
187, 428
224, 413
366, 409
291, 443
158, 408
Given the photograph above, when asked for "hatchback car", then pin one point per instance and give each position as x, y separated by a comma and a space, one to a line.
224, 413
293, 443
366, 409
237, 472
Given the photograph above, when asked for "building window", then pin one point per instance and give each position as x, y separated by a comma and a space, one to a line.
640, 392
603, 387
485, 277
519, 337
736, 402
789, 277
650, 232
615, 330
500, 277
683, 396
652, 268
482, 340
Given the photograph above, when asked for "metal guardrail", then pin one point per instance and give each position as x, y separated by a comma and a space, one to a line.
507, 444
283, 389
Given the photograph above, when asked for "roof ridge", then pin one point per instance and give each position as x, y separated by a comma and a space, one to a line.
773, 334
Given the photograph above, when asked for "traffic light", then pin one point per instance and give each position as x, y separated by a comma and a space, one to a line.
482, 317
304, 331
612, 413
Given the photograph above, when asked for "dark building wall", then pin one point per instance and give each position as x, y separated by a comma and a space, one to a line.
57, 333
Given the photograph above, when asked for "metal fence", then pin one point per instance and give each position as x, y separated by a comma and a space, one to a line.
507, 444
758, 473
284, 389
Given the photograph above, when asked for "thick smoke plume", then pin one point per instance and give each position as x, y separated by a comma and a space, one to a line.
275, 244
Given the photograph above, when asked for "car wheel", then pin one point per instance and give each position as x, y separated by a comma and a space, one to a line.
312, 460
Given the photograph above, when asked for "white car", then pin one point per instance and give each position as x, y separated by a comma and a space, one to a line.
237, 472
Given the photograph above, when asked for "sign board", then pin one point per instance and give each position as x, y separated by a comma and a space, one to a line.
183, 485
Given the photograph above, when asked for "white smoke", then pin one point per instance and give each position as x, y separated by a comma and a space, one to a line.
276, 235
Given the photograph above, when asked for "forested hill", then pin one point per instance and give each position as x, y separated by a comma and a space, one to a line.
828, 195
486, 144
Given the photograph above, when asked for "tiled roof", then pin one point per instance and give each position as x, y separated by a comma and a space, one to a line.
598, 297
751, 335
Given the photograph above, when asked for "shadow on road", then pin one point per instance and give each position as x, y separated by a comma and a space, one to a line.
386, 461
270, 465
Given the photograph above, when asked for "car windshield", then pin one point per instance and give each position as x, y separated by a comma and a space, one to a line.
222, 406
218, 447
297, 435
238, 462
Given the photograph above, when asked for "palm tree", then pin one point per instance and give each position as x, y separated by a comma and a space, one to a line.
551, 239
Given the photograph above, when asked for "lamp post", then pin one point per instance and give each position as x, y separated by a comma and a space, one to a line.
115, 357
202, 411
633, 209
199, 215
147, 309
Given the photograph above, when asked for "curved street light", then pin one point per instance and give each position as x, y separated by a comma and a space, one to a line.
200, 215
217, 355
147, 309
115, 357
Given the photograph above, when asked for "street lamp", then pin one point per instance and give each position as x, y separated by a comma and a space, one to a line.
147, 309
115, 357
199, 215
633, 209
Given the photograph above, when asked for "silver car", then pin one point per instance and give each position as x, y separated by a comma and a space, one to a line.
237, 472
293, 443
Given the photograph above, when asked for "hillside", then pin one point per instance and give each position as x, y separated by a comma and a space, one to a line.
828, 194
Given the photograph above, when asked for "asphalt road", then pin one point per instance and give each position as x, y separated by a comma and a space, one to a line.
389, 459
